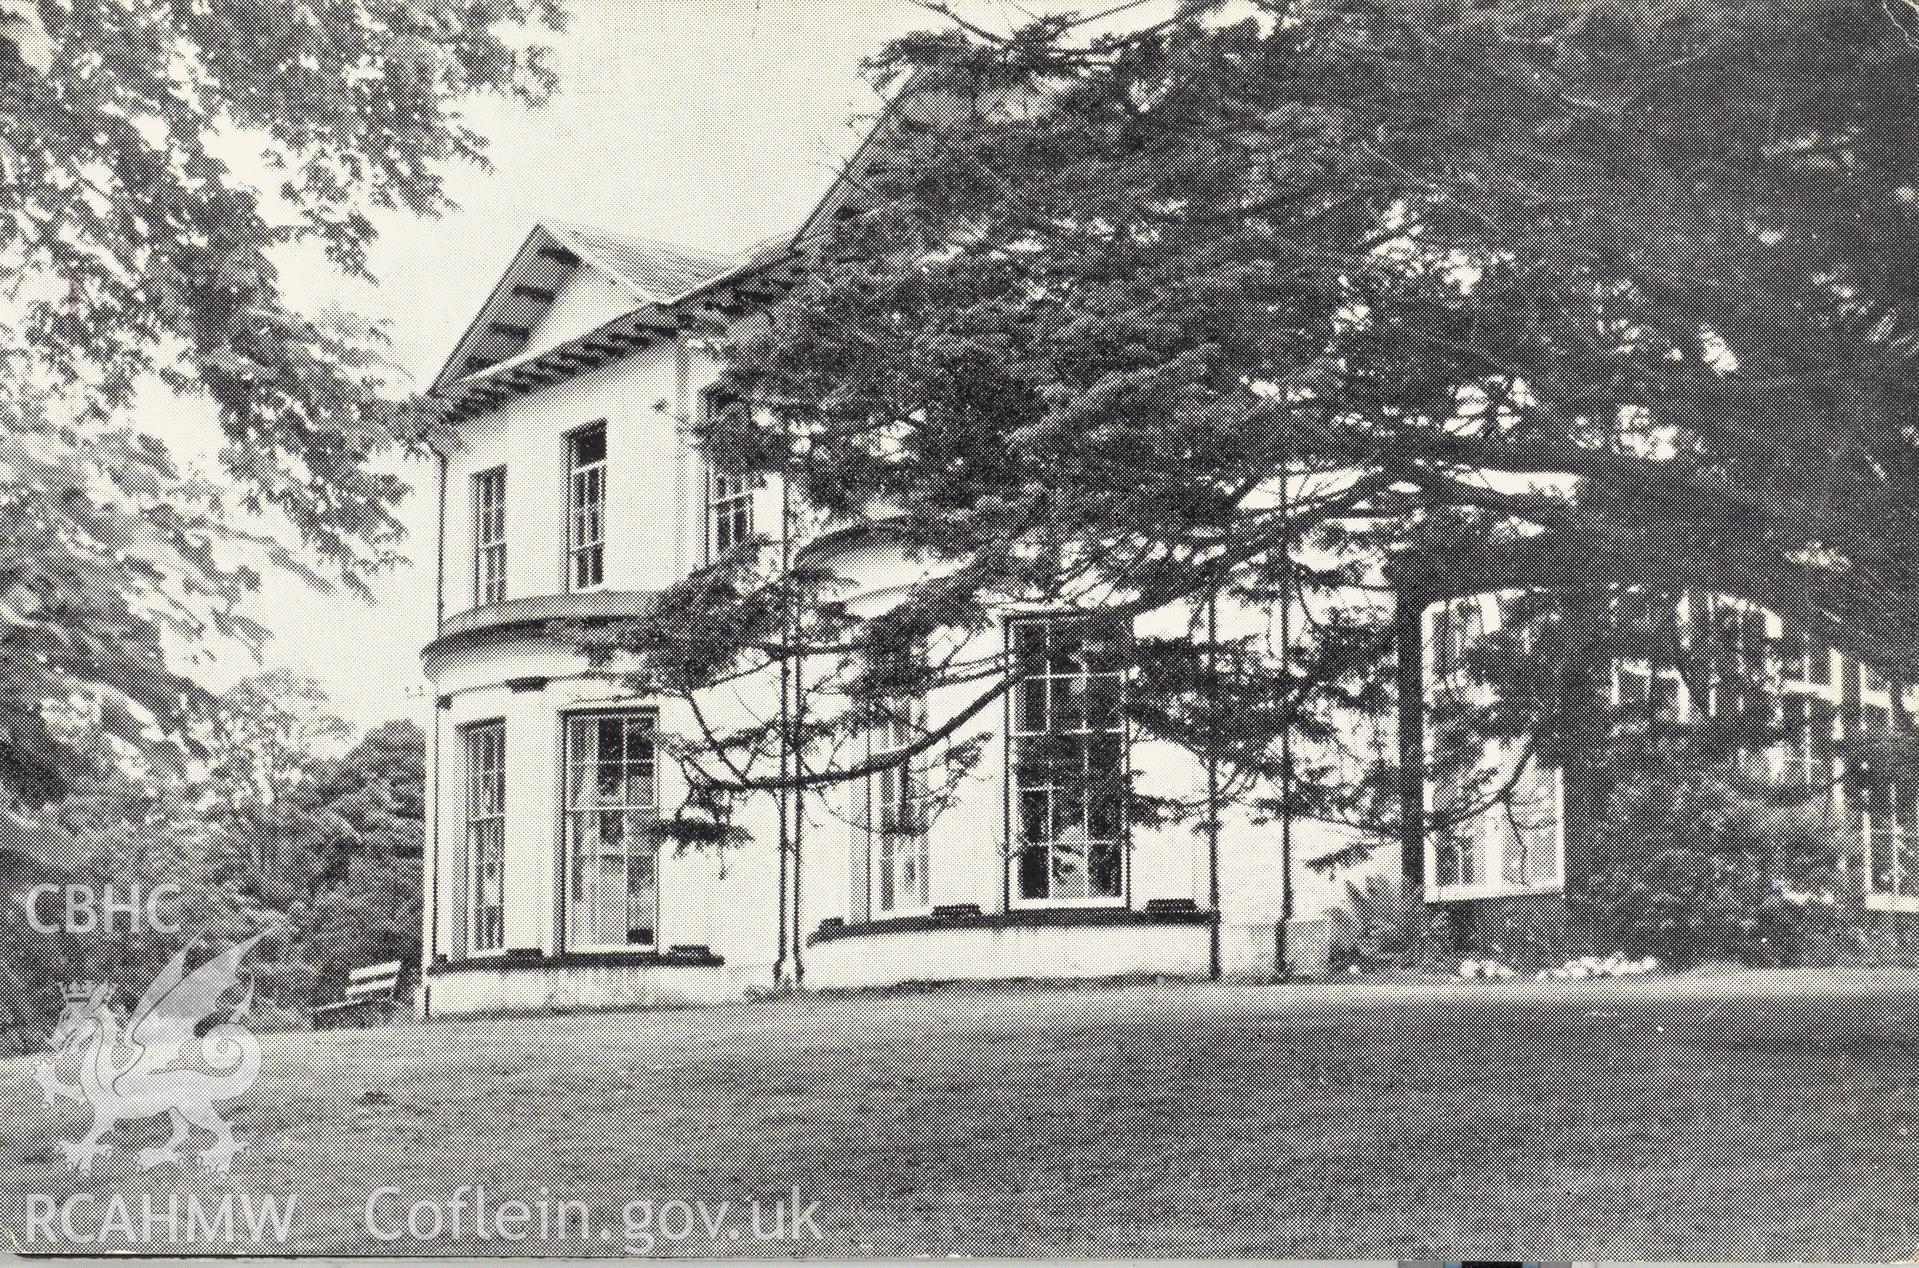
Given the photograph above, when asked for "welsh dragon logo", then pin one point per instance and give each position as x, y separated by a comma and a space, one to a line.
155, 1062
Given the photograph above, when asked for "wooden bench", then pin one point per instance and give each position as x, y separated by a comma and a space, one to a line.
372, 990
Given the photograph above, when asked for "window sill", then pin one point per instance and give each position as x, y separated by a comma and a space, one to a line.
1018, 918
922, 912
1067, 904
1468, 893
524, 961
1892, 902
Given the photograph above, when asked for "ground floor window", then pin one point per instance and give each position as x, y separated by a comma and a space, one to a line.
1068, 771
1505, 839
898, 828
486, 836
611, 805
1808, 749
1889, 807
1496, 807
1892, 842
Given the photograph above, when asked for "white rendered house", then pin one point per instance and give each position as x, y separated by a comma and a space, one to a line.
576, 492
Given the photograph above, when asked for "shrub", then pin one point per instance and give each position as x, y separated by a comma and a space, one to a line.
1386, 924
1699, 864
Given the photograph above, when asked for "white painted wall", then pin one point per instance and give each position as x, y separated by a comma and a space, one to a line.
570, 987
961, 954
587, 300
639, 399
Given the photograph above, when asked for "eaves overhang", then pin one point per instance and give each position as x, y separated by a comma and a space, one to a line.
763, 278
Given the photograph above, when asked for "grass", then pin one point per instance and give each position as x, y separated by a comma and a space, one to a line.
1751, 1117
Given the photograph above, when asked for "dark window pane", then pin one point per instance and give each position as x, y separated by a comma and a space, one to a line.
1104, 870
589, 446
1064, 658
1035, 824
1446, 856
1069, 811
1029, 710
1029, 642
1665, 697
1106, 757
1033, 880
1106, 652
1103, 703
1069, 704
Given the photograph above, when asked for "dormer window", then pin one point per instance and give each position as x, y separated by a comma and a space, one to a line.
489, 536
586, 507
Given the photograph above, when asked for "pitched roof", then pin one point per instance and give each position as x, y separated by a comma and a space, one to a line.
656, 272
652, 273
659, 275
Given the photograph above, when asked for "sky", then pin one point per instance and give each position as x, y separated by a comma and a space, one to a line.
713, 123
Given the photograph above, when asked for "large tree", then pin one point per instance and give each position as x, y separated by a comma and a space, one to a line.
1411, 294
288, 823
140, 254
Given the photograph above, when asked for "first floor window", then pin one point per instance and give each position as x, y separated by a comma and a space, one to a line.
1806, 659
898, 825
486, 835
489, 536
586, 507
1647, 697
729, 491
1068, 758
612, 803
1456, 626
729, 510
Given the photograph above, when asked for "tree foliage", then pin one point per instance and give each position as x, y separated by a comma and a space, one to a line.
1343, 296
1696, 863
288, 822
158, 160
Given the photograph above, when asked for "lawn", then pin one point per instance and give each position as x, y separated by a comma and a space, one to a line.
1748, 1117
